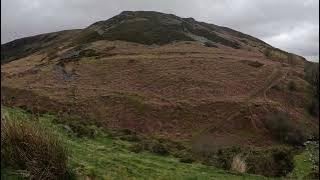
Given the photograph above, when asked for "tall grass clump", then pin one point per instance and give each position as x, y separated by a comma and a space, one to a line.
29, 148
238, 164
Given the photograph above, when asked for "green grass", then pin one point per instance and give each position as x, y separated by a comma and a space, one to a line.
104, 157
305, 163
303, 166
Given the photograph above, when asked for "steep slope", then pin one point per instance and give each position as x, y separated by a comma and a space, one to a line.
168, 76
23, 47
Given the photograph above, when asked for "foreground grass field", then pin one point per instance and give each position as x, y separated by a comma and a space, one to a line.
107, 157
103, 157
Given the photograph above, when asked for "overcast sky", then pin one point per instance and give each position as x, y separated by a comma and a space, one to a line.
292, 25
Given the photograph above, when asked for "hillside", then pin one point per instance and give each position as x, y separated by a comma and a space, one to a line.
163, 76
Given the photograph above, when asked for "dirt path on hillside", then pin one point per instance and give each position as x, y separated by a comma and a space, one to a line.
274, 78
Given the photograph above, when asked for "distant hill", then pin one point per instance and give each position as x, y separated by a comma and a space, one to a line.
162, 75
145, 27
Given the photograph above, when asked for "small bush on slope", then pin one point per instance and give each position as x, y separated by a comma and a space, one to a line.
25, 146
284, 130
77, 126
292, 86
272, 162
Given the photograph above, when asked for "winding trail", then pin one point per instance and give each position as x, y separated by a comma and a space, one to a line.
273, 79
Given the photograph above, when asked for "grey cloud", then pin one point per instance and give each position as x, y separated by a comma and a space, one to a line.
292, 25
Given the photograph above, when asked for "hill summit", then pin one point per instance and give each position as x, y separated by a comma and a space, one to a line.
146, 27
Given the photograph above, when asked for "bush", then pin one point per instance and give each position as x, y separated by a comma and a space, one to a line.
273, 162
27, 147
255, 64
312, 76
292, 86
313, 107
88, 53
79, 126
187, 159
276, 87
159, 148
283, 129
210, 44
225, 157
151, 146
267, 52
137, 148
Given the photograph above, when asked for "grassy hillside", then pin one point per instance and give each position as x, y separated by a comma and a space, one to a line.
107, 157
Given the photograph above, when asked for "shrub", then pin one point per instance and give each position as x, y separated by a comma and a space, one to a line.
255, 64
159, 148
136, 148
276, 87
187, 159
209, 44
283, 129
25, 146
276, 161
273, 162
79, 126
267, 52
128, 135
225, 156
88, 53
292, 86
313, 107
312, 76
151, 146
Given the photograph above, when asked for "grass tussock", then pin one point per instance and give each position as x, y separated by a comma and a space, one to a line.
238, 164
31, 149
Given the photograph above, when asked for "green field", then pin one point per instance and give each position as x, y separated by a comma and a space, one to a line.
107, 157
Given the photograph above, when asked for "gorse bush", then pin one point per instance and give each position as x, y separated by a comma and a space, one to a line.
25, 146
283, 129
